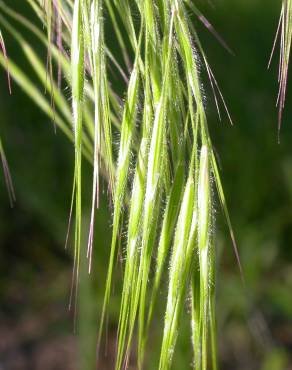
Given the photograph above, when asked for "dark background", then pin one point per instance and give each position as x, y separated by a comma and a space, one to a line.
255, 321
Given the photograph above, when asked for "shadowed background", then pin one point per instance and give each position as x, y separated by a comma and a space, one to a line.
255, 321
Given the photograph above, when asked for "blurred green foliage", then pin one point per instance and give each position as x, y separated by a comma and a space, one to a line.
255, 321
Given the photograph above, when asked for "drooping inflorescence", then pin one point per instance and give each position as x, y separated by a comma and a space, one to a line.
160, 180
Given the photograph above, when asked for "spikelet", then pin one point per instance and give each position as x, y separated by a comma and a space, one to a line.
77, 75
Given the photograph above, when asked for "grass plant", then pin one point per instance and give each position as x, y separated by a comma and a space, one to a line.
162, 175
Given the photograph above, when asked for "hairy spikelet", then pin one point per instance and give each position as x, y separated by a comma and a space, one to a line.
160, 182
102, 124
77, 76
179, 273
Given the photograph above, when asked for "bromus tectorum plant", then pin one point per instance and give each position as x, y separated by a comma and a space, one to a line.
161, 180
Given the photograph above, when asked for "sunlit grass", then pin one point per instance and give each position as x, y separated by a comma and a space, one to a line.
160, 181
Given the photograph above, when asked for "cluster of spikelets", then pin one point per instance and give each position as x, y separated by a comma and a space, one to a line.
160, 179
